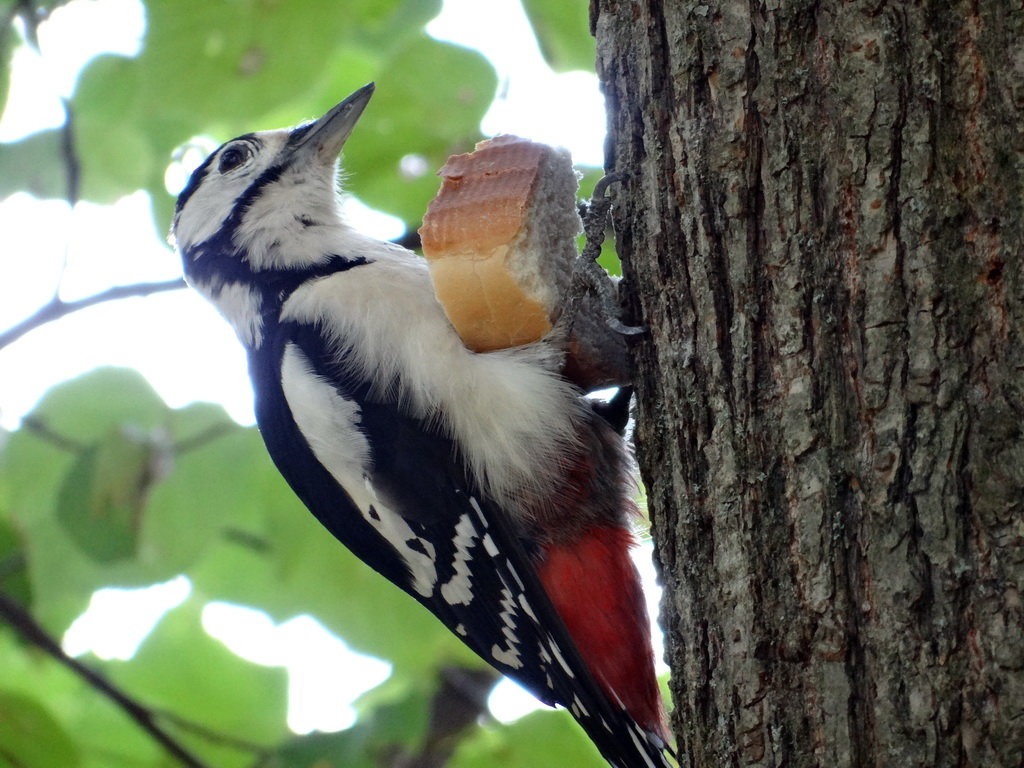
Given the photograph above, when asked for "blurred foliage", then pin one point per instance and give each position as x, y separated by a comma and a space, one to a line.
211, 506
105, 485
560, 28
220, 69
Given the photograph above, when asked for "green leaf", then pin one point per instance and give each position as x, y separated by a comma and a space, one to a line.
345, 749
14, 581
396, 722
397, 711
214, 487
70, 418
117, 152
30, 737
244, 53
105, 735
34, 165
103, 496
429, 101
540, 738
181, 669
8, 41
293, 565
563, 32
132, 113
92, 404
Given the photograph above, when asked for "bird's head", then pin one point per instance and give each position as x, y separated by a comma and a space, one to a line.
264, 201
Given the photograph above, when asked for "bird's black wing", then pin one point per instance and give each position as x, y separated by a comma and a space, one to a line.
412, 513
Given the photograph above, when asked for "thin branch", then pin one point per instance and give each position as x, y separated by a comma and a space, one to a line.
69, 151
44, 431
22, 621
56, 309
216, 737
27, 11
458, 703
72, 180
245, 539
11, 564
204, 438
11, 758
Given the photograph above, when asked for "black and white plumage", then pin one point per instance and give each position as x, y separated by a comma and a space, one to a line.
441, 468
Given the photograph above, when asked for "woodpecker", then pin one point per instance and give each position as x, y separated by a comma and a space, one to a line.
482, 484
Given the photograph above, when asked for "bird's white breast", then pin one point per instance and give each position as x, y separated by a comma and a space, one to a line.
511, 414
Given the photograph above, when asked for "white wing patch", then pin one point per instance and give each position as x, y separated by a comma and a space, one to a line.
328, 421
527, 607
490, 546
417, 552
330, 424
577, 707
510, 654
557, 653
458, 589
639, 737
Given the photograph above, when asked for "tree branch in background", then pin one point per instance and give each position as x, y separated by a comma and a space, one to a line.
260, 751
69, 152
56, 308
14, 614
45, 432
204, 438
458, 703
32, 17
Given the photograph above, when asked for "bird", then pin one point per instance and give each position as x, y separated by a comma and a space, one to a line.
485, 485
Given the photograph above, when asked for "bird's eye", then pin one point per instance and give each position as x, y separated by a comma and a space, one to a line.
231, 158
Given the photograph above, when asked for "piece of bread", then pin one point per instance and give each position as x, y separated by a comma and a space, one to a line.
500, 238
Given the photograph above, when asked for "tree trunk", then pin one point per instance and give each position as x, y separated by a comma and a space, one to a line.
823, 229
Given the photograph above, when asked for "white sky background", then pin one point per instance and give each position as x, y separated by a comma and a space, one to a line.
48, 247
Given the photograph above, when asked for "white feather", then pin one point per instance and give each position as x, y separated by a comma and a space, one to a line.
509, 655
330, 425
458, 590
212, 202
328, 421
511, 414
272, 235
240, 304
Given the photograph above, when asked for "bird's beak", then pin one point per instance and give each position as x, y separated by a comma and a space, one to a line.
325, 138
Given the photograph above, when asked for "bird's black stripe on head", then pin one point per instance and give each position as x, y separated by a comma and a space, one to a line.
200, 173
247, 198
194, 181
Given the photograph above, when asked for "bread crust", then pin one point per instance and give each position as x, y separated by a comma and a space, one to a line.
499, 263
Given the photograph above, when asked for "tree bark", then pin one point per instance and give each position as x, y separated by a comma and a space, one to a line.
823, 229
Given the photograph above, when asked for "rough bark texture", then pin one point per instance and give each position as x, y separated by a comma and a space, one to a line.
823, 228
